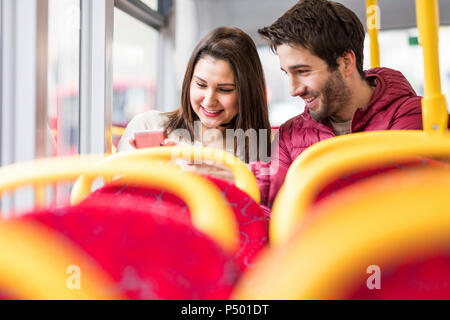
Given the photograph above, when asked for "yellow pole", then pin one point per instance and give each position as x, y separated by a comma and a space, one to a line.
373, 25
434, 109
39, 196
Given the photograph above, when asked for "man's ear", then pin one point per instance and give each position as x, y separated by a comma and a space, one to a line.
347, 63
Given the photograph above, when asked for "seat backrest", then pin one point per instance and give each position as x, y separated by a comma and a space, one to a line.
243, 177
38, 263
242, 196
147, 255
252, 221
355, 176
370, 149
396, 232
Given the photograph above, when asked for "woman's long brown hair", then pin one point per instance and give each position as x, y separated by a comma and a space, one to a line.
238, 49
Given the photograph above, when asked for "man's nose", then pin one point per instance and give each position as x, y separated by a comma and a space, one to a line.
297, 88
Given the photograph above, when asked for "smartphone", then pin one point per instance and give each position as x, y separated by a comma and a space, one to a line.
149, 138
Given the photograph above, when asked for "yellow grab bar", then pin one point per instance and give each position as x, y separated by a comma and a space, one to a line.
209, 212
118, 131
373, 25
434, 106
335, 144
38, 263
303, 185
244, 178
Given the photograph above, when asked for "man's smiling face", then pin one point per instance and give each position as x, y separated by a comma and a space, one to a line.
325, 93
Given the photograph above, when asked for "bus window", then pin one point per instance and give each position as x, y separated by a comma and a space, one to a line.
395, 45
153, 4
135, 49
63, 75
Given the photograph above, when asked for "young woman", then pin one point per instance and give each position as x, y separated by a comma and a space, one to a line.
223, 89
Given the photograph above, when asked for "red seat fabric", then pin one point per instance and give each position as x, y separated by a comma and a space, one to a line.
426, 275
421, 278
149, 255
252, 219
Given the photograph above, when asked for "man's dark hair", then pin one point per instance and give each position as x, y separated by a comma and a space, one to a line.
326, 28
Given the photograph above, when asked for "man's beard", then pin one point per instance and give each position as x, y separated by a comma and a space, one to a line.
336, 96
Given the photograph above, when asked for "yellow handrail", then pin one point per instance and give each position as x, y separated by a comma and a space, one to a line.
373, 25
299, 192
209, 212
328, 147
244, 178
329, 258
434, 106
118, 131
38, 263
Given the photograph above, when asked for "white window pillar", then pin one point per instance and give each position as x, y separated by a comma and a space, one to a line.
96, 77
23, 86
23, 63
167, 98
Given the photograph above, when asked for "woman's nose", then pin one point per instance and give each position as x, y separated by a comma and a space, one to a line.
210, 98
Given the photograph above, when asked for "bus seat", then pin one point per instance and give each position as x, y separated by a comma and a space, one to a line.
241, 196
149, 256
251, 219
243, 177
374, 241
425, 276
334, 158
386, 169
39, 263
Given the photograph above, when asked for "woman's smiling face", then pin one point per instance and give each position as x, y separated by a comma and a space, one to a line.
213, 92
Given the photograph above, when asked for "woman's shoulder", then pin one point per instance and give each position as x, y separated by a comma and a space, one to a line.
150, 115
152, 119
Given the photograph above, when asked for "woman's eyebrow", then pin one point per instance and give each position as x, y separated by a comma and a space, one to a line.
219, 85
226, 84
198, 78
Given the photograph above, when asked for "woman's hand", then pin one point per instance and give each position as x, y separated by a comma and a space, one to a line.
132, 142
165, 143
169, 143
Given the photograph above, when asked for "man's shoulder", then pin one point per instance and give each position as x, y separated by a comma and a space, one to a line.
392, 91
391, 82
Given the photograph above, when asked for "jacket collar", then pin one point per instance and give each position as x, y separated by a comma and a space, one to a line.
390, 85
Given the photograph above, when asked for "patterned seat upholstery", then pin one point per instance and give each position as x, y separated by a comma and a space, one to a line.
148, 253
252, 220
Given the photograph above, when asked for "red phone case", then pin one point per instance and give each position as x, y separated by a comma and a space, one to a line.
145, 139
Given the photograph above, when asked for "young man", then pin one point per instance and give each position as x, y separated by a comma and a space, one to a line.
320, 47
